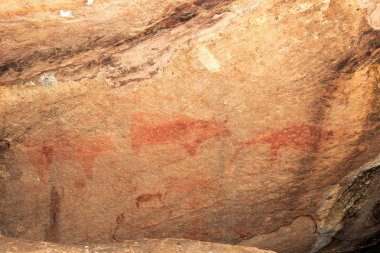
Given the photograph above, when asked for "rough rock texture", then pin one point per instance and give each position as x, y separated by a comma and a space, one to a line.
296, 237
12, 245
237, 121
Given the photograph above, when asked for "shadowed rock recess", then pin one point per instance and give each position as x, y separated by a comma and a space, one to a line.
239, 123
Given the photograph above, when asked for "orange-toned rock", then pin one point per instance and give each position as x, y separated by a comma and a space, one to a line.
233, 121
13, 245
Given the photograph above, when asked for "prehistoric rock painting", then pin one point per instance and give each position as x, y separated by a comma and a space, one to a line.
42, 151
298, 136
193, 191
184, 131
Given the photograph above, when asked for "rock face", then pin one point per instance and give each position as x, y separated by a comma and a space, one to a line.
234, 121
12, 245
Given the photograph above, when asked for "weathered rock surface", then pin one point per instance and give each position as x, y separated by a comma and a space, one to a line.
12, 245
243, 122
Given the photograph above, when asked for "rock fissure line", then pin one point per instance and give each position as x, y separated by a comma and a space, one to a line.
340, 211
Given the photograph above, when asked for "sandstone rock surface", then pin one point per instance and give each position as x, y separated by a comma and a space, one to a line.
12, 245
231, 121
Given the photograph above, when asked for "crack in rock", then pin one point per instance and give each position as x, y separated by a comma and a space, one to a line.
341, 201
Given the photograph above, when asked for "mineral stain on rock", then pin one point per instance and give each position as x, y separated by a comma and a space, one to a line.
376, 213
53, 229
43, 151
184, 131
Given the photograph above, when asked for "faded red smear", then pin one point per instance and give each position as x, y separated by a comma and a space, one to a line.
164, 164
80, 184
194, 190
184, 186
143, 198
299, 136
42, 151
242, 234
184, 131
